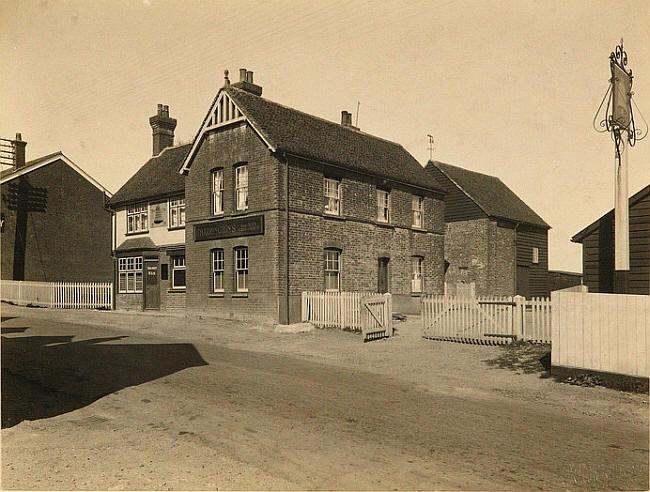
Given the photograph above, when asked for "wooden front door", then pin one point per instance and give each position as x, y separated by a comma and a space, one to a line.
152, 284
382, 284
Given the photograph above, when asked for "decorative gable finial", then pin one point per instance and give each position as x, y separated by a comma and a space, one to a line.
226, 80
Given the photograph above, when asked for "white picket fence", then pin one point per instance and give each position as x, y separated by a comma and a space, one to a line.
486, 319
333, 309
58, 294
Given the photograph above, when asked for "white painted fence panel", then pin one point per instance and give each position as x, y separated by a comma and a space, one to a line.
601, 332
58, 294
333, 309
486, 318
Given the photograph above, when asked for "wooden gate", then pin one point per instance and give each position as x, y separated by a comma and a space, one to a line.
484, 319
376, 317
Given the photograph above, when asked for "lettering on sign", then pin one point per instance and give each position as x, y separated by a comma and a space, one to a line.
243, 226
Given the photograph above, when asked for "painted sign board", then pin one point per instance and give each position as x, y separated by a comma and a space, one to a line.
226, 228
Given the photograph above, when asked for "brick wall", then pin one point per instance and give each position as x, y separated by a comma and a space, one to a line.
225, 149
56, 228
483, 252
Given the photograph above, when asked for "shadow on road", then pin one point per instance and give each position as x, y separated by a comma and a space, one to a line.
45, 376
526, 358
8, 331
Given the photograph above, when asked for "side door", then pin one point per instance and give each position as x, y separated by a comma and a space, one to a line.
152, 284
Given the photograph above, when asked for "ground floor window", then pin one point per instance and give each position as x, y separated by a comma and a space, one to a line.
178, 272
217, 270
130, 275
241, 269
332, 270
416, 274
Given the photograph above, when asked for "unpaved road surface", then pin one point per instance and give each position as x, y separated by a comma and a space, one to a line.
92, 406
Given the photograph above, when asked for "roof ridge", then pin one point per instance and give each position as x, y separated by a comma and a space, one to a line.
169, 148
319, 118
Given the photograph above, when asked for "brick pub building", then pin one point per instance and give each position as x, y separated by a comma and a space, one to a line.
54, 224
280, 202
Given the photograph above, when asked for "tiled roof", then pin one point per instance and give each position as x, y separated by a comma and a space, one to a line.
137, 243
292, 131
158, 177
491, 195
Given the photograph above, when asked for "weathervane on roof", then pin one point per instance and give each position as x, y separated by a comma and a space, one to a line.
431, 142
618, 120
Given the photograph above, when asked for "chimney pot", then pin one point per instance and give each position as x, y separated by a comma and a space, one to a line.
249, 76
226, 80
346, 118
242, 75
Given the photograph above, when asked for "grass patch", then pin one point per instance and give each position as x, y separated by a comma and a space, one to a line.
523, 357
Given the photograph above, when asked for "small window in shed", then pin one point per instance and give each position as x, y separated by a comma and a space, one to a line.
535, 255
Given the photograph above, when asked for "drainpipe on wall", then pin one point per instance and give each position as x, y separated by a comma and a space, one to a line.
286, 188
516, 229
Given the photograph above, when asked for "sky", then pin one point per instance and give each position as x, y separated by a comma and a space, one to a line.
505, 88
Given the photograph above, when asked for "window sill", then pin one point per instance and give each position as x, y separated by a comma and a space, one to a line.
136, 233
239, 212
127, 293
418, 228
177, 228
416, 294
215, 295
177, 291
333, 216
385, 224
239, 294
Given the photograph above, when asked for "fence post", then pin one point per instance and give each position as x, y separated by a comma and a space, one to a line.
519, 318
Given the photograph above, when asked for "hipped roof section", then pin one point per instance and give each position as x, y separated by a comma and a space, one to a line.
157, 178
287, 130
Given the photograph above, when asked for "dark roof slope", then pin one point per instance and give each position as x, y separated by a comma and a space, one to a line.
639, 195
11, 170
299, 133
158, 177
139, 243
491, 195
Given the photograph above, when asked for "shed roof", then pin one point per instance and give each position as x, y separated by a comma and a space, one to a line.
639, 195
491, 195
157, 177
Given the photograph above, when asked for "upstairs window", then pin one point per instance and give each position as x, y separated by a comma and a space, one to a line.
418, 207
332, 270
178, 272
332, 196
177, 212
241, 187
241, 269
217, 270
416, 274
535, 255
217, 191
383, 206
130, 275
137, 218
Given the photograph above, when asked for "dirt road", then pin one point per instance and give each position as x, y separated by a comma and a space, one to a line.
93, 407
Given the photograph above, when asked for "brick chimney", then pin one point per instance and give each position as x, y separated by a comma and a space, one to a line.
246, 82
162, 127
19, 151
346, 120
